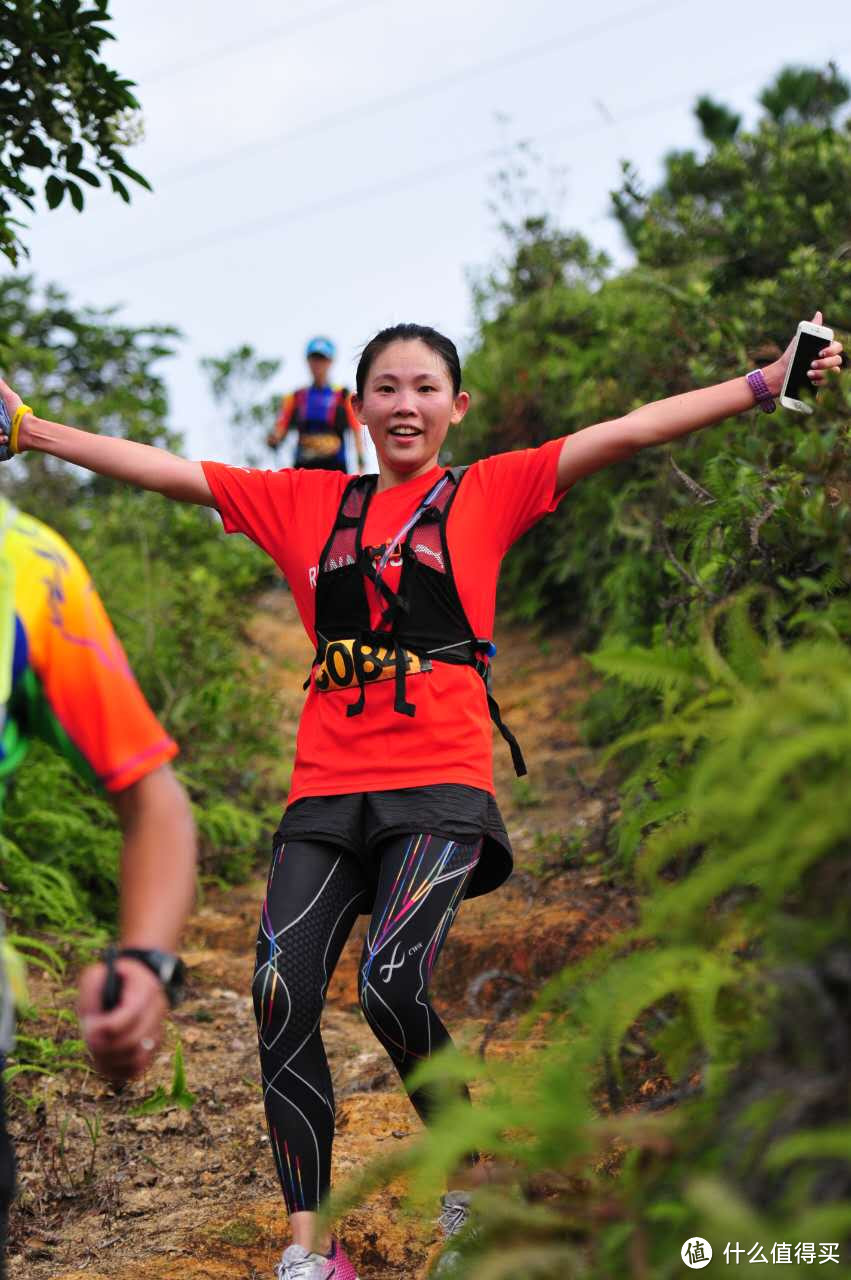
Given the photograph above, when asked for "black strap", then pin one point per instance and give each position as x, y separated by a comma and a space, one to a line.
400, 702
514, 746
355, 708
470, 654
394, 602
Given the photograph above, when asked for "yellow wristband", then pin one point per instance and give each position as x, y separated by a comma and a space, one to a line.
21, 411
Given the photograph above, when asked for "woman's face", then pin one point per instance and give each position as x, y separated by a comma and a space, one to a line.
408, 406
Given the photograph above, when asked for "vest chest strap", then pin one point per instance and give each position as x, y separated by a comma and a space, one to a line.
421, 621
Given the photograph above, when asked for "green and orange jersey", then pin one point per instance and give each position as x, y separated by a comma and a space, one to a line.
63, 673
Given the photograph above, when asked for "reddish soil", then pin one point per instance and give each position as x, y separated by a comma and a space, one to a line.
192, 1194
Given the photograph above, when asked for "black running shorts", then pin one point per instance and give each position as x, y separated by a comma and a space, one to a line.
360, 821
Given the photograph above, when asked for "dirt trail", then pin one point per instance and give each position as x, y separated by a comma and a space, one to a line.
192, 1194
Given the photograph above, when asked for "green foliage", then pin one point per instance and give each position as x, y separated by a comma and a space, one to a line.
733, 248
60, 847
235, 834
84, 365
717, 122
524, 794
241, 1232
237, 380
802, 94
93, 1128
733, 984
179, 1095
45, 1056
66, 114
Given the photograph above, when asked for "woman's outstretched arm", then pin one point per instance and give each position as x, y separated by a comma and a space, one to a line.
598, 446
141, 465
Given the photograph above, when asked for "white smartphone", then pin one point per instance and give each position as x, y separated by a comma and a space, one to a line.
810, 340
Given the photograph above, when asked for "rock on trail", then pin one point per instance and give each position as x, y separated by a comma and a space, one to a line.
192, 1194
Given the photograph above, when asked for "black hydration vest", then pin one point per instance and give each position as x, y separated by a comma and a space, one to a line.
424, 622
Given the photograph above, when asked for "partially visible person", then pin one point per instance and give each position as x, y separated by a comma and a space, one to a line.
64, 677
320, 417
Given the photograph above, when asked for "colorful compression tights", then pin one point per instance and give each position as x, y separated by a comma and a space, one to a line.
313, 897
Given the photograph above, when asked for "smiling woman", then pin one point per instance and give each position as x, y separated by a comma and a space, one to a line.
406, 399
391, 809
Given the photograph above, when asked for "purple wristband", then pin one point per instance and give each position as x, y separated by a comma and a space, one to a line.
759, 387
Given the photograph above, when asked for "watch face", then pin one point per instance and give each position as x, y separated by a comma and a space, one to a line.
176, 979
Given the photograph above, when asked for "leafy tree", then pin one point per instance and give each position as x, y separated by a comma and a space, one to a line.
732, 247
717, 122
65, 112
745, 210
82, 366
237, 380
806, 94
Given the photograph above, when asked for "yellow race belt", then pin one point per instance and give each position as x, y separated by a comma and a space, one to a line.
319, 444
346, 664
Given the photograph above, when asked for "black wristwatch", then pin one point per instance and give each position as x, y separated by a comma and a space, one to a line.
169, 968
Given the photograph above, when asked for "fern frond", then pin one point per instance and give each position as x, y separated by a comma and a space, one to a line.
810, 1144
659, 669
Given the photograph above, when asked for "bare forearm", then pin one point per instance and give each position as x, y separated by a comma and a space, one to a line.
606, 443
679, 415
158, 861
141, 465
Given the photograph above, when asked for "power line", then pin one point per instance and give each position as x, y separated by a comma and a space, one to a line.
378, 105
261, 37
283, 216
347, 199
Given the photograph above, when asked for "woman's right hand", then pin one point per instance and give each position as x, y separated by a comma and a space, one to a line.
11, 402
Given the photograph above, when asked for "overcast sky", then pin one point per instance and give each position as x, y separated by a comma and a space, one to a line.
326, 167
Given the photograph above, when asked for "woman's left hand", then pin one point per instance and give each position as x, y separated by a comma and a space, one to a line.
829, 359
10, 398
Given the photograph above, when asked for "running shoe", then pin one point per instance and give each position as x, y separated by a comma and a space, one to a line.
298, 1264
454, 1221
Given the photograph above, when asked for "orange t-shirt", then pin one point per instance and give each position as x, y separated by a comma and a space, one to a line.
290, 514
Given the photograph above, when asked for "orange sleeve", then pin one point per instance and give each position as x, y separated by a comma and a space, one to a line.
518, 488
83, 670
283, 420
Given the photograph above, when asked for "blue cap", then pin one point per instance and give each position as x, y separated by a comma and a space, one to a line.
321, 347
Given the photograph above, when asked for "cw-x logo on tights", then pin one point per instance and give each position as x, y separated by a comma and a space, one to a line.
387, 970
